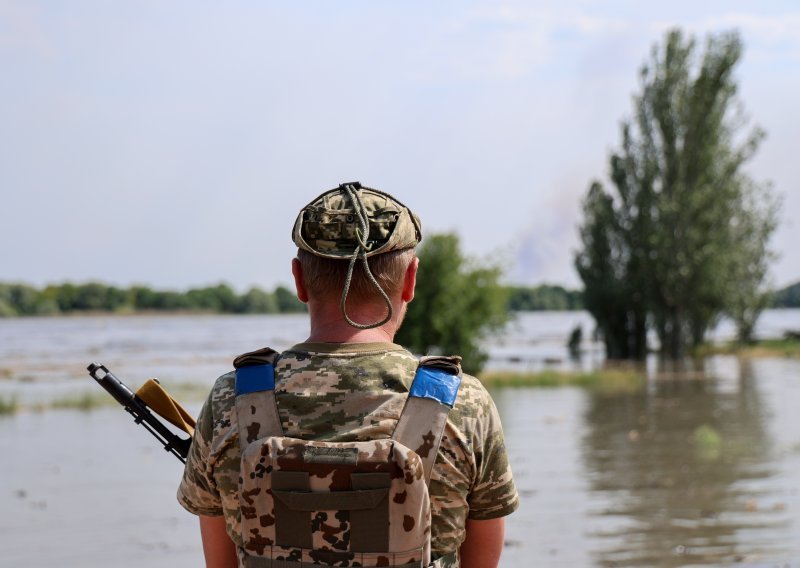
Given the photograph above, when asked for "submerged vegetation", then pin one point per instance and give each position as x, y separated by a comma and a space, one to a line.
83, 401
789, 346
184, 392
616, 378
8, 405
604, 379
630, 378
707, 442
609, 380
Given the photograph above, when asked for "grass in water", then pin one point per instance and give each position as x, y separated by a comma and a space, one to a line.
707, 443
607, 379
84, 401
785, 347
187, 392
8, 405
788, 347
90, 400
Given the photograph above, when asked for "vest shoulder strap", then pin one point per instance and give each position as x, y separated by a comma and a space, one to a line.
265, 355
256, 408
420, 427
433, 393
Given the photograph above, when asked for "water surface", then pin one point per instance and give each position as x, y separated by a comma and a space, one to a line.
700, 468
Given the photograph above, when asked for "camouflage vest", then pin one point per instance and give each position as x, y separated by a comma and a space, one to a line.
310, 503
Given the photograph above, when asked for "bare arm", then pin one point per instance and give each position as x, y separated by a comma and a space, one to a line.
484, 543
218, 548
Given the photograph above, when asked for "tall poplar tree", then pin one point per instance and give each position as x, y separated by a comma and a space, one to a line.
682, 237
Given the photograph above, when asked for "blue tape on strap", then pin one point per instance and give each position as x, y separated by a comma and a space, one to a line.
436, 384
254, 379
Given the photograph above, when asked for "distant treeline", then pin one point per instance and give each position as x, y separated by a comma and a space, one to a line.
543, 297
788, 297
25, 300
547, 297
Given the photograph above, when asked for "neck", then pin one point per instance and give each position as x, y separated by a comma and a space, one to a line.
329, 326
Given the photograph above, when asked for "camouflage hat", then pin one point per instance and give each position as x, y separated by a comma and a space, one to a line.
342, 220
352, 222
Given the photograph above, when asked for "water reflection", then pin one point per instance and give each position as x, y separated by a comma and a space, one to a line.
681, 466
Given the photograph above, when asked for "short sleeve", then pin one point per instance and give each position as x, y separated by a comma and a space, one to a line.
493, 494
197, 492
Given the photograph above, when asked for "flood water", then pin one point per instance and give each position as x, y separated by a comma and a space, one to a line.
699, 468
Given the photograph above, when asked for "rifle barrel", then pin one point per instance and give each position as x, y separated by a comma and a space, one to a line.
139, 410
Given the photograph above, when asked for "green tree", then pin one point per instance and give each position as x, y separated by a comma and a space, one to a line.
49, 298
95, 296
457, 302
7, 307
170, 300
141, 297
257, 301
24, 300
287, 301
747, 296
6, 310
543, 297
601, 265
683, 238
145, 298
63, 295
219, 298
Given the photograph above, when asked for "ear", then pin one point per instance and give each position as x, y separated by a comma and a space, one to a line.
300, 287
410, 281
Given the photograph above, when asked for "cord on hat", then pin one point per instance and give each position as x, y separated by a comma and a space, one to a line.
362, 236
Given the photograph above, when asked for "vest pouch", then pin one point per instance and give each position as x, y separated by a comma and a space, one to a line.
309, 503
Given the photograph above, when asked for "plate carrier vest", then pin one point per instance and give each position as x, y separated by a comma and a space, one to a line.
310, 503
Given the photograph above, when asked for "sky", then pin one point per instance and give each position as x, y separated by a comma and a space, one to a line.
173, 143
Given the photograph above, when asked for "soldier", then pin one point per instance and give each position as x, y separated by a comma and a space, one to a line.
344, 389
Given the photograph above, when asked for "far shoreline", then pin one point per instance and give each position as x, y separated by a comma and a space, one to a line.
138, 313
143, 313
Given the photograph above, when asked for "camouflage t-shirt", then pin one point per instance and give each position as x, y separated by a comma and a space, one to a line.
353, 392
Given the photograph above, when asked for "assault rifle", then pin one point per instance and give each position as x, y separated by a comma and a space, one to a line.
150, 395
